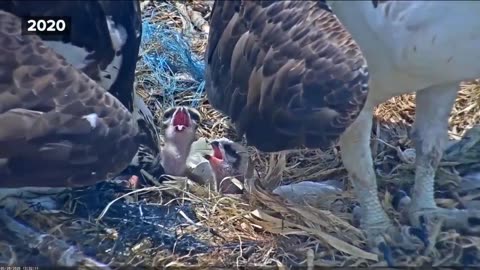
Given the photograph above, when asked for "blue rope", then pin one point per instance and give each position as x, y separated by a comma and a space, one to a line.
173, 56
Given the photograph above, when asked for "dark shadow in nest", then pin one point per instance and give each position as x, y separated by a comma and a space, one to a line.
133, 221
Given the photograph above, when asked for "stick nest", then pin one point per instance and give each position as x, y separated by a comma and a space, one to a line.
179, 223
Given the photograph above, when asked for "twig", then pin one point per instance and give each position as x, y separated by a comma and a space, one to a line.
197, 20
57, 250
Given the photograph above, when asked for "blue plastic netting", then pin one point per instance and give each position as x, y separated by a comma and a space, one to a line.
173, 65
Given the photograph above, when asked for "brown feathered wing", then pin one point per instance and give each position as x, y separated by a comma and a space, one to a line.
286, 72
58, 127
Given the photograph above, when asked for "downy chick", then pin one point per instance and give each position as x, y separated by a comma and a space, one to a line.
229, 159
180, 125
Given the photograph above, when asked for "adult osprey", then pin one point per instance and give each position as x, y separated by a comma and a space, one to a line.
104, 44
59, 128
289, 74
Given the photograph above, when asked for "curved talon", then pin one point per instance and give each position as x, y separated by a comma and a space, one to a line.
423, 225
387, 253
421, 233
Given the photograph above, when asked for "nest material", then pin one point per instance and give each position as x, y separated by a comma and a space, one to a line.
179, 223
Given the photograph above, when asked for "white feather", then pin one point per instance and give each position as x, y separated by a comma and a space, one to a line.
76, 56
92, 119
413, 45
118, 34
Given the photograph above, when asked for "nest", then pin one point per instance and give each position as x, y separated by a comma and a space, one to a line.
179, 223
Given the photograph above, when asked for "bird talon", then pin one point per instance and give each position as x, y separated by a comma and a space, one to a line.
387, 253
420, 233
423, 222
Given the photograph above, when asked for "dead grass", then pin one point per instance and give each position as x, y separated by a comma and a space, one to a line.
258, 229
342, 242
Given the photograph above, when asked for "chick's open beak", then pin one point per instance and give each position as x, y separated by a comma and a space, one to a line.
181, 119
217, 153
214, 162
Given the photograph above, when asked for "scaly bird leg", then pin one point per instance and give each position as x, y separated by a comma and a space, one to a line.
357, 159
433, 107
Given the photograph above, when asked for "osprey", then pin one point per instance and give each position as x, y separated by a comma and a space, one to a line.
229, 159
292, 73
180, 124
104, 44
59, 128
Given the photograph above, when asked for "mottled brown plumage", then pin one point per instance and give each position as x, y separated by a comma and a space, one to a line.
286, 72
104, 43
57, 126
90, 31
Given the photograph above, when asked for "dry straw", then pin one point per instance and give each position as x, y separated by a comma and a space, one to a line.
257, 229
